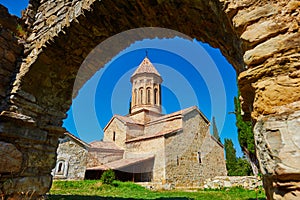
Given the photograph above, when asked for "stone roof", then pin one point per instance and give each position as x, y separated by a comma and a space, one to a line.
118, 164
74, 138
146, 67
104, 146
124, 119
178, 114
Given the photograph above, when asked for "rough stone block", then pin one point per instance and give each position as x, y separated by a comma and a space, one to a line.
10, 158
8, 129
244, 16
34, 186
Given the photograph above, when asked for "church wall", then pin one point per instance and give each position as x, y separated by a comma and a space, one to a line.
190, 155
71, 161
138, 117
119, 129
163, 126
146, 148
134, 131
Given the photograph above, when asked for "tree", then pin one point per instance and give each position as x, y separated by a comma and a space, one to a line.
235, 166
245, 136
108, 177
215, 130
230, 157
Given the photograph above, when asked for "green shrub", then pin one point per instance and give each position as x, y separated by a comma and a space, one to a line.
108, 177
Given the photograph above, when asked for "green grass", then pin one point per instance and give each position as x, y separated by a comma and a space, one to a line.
87, 190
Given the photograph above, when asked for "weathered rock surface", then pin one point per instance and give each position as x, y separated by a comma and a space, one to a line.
247, 182
279, 154
10, 158
260, 39
10, 52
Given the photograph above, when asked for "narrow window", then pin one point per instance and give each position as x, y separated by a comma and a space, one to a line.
141, 96
60, 167
114, 136
155, 96
177, 161
135, 97
148, 96
199, 157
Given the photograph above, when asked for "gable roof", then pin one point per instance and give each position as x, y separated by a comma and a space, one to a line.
123, 119
146, 67
178, 114
76, 139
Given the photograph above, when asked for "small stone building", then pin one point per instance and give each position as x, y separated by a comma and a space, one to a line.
145, 145
71, 158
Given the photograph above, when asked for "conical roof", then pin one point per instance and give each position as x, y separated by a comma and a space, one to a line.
146, 67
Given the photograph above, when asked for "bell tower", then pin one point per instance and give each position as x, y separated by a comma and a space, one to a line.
146, 88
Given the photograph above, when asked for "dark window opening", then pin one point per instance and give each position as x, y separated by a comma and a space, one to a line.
60, 167
155, 96
199, 157
148, 96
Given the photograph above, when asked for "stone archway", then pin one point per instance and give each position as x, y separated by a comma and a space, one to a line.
260, 39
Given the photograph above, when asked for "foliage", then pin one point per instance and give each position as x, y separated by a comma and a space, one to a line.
235, 166
245, 133
243, 167
215, 130
20, 31
231, 159
93, 189
245, 136
108, 177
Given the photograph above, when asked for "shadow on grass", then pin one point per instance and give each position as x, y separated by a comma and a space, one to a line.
79, 197
259, 198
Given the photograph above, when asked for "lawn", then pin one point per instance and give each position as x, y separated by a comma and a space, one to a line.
88, 190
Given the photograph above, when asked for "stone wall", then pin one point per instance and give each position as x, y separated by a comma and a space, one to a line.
116, 131
73, 158
247, 182
27, 152
259, 38
147, 148
192, 156
10, 52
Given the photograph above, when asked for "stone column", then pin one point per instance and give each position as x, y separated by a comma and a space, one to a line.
270, 88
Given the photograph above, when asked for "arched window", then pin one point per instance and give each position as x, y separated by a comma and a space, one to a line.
114, 136
148, 96
155, 96
60, 168
141, 95
135, 97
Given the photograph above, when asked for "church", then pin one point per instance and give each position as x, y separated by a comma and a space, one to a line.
148, 146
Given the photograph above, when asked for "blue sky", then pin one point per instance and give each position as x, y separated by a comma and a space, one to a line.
193, 74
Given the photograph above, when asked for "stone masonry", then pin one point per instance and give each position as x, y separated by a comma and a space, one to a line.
261, 39
72, 158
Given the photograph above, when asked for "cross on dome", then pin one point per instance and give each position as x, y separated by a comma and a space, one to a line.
146, 67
